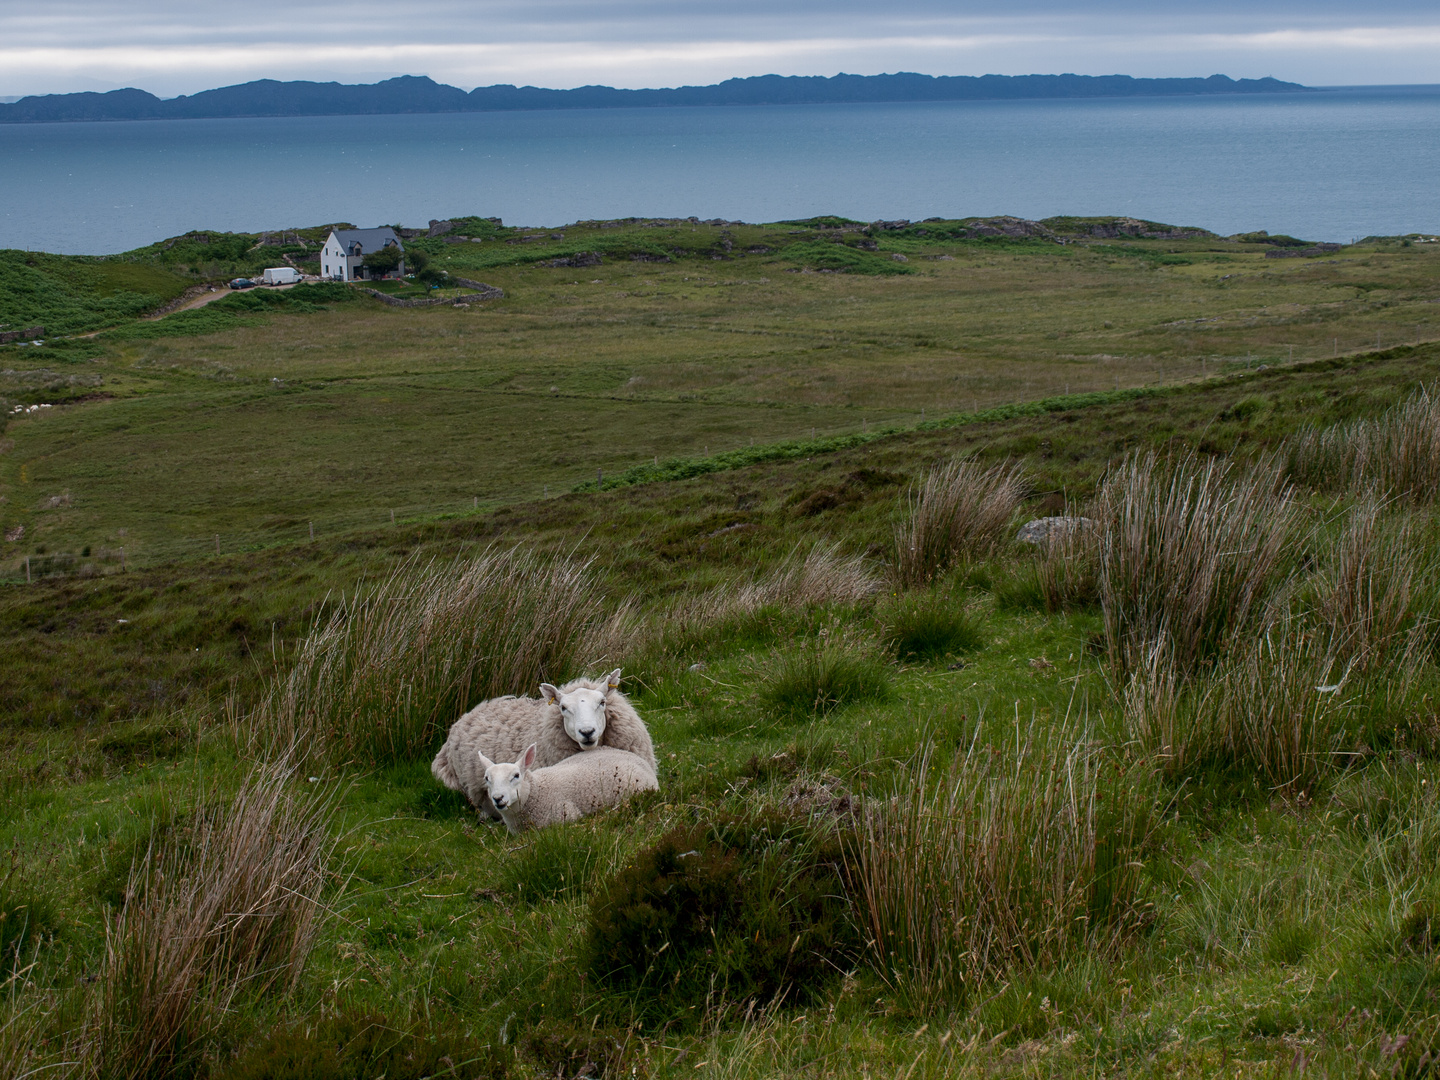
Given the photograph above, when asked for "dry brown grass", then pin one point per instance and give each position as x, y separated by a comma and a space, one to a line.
232, 905
957, 511
1005, 860
384, 677
808, 578
1190, 551
1397, 454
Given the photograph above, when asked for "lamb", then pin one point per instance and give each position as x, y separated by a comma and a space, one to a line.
579, 717
530, 798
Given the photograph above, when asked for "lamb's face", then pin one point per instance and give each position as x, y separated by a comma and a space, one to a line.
583, 713
508, 783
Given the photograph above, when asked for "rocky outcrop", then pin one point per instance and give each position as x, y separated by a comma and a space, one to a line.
1043, 531
580, 258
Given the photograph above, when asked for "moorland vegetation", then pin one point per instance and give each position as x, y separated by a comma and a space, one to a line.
1156, 796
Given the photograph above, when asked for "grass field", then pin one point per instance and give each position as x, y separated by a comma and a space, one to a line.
347, 411
1009, 818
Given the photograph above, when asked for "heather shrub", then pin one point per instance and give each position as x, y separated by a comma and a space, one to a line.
739, 911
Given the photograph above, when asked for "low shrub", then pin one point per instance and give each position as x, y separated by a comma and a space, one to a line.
957, 511
740, 911
1011, 859
929, 626
825, 673
839, 259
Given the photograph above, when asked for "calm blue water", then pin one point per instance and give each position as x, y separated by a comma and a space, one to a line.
1326, 166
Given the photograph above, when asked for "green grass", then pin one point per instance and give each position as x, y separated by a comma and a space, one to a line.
1244, 925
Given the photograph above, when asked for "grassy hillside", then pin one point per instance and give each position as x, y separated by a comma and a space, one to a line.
1163, 803
253, 417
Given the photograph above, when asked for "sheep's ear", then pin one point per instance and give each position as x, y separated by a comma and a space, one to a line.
528, 760
613, 682
549, 694
485, 762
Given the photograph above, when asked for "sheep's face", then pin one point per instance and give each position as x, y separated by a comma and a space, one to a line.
508, 783
582, 712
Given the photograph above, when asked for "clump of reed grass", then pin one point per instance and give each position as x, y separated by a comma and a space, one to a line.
1190, 551
1367, 594
233, 906
392, 667
1009, 858
956, 511
1276, 705
1396, 454
824, 674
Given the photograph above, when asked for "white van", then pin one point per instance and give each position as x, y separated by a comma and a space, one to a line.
281, 275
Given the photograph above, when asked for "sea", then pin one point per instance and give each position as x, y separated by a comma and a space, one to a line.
1333, 165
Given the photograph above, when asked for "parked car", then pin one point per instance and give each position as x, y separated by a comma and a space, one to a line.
242, 283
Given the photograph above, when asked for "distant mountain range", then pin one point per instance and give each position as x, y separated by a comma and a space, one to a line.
418, 94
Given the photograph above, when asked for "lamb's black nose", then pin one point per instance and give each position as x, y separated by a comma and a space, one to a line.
587, 735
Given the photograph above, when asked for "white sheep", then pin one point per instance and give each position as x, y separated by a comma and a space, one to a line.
579, 717
532, 798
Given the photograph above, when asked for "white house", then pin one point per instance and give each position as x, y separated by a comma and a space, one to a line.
345, 249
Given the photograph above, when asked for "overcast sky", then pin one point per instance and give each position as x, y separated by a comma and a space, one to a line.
179, 46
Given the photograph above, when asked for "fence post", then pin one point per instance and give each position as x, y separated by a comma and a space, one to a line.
217, 543
27, 569
312, 530
392, 517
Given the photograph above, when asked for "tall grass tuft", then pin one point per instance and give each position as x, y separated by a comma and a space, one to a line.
386, 674
823, 675
1396, 454
232, 906
929, 626
1276, 705
1189, 552
957, 511
1368, 592
1008, 859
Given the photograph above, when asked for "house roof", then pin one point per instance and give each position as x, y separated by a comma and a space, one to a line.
368, 239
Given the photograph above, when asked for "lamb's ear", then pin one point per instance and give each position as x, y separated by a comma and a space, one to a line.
485, 762
613, 682
549, 694
527, 761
